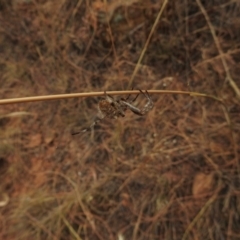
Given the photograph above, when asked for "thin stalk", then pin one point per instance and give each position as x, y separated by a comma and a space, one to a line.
96, 94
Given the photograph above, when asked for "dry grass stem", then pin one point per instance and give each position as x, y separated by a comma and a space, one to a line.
158, 166
147, 43
222, 55
96, 94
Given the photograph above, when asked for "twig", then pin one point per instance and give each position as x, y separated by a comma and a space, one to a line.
95, 94
228, 75
202, 211
147, 43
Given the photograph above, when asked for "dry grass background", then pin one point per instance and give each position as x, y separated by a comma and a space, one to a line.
172, 174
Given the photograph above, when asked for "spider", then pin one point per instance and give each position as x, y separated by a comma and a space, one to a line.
114, 109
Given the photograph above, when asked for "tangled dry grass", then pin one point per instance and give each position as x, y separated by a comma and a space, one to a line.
172, 174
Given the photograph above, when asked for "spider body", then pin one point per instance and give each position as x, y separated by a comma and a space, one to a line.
148, 106
113, 109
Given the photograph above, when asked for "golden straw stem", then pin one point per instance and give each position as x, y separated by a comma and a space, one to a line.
94, 94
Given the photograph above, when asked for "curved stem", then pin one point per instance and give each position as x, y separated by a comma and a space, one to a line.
95, 94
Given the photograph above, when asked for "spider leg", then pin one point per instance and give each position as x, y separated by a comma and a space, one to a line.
125, 99
116, 110
133, 108
148, 106
95, 122
135, 98
109, 98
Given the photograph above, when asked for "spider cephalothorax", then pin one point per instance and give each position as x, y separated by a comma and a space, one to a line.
111, 108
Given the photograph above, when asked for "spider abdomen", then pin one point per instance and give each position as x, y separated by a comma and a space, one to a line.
110, 110
114, 109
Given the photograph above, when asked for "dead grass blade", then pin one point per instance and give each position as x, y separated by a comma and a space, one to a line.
226, 68
15, 114
202, 211
71, 230
96, 94
147, 42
